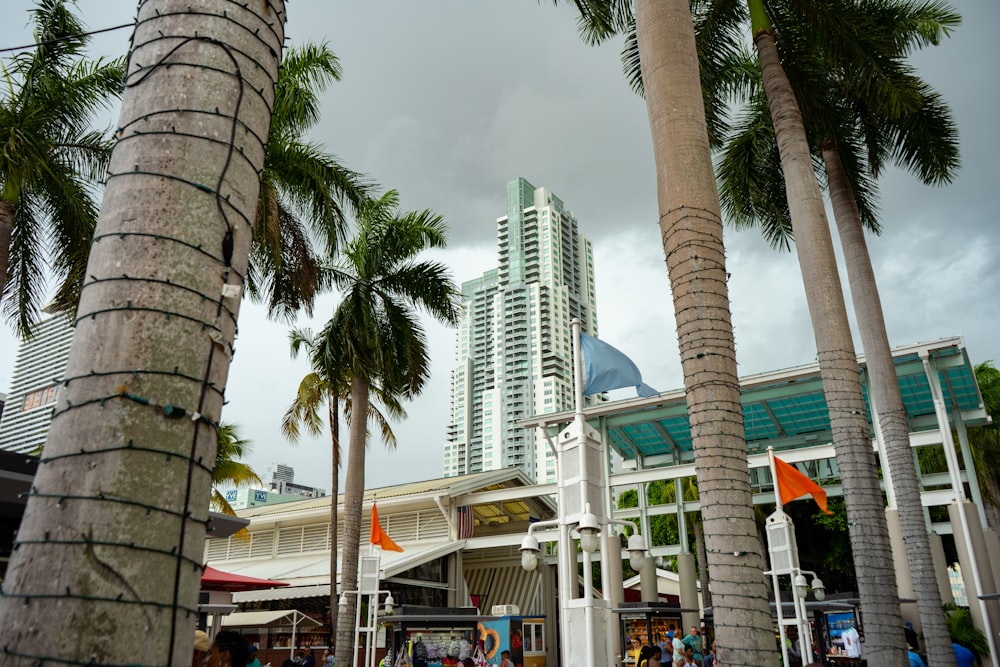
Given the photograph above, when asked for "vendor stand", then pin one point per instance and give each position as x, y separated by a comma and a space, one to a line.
429, 636
646, 624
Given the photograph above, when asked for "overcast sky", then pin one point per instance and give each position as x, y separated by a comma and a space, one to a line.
446, 100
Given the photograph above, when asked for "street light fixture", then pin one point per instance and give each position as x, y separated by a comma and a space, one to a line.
802, 588
636, 551
529, 552
590, 531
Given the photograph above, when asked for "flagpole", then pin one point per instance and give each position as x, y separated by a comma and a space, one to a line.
774, 477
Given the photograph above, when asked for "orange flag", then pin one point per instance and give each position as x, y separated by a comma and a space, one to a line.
379, 537
792, 484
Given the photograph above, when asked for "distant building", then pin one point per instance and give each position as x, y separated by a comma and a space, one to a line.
279, 472
39, 368
514, 351
281, 488
243, 498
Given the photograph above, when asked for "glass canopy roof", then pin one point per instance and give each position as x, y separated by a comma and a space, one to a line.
786, 409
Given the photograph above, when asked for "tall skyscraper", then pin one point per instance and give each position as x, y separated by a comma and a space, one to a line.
514, 352
39, 368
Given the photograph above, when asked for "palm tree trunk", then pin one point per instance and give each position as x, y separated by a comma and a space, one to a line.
702, 555
838, 368
889, 405
691, 230
108, 557
333, 414
7, 211
354, 494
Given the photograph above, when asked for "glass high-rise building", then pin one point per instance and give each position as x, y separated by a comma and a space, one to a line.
514, 352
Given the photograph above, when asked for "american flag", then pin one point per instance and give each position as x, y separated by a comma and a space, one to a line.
466, 522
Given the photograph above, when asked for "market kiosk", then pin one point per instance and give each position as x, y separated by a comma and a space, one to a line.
428, 636
645, 624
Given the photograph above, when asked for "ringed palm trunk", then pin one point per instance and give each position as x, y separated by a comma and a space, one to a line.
108, 557
691, 230
354, 494
889, 404
333, 414
702, 555
869, 535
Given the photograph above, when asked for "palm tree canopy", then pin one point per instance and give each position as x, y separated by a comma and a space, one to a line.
316, 389
228, 469
50, 162
305, 192
845, 59
374, 335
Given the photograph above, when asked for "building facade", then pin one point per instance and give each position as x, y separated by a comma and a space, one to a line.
39, 370
514, 351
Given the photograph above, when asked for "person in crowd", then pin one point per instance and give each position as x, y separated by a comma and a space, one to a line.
693, 639
677, 642
328, 658
253, 661
229, 649
202, 645
656, 657
709, 659
688, 659
643, 659
310, 659
915, 659
505, 660
963, 656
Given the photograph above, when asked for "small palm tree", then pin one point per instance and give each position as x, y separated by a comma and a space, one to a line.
375, 340
303, 190
228, 469
50, 160
316, 389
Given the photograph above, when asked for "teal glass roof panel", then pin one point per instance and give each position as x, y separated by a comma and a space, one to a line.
960, 382
802, 413
758, 423
916, 394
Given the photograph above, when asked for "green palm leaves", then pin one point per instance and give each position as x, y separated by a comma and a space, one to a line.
305, 194
50, 161
374, 334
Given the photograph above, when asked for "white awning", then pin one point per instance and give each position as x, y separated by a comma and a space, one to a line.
263, 619
307, 569
289, 593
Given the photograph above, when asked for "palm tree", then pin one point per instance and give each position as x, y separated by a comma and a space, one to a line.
228, 469
854, 129
315, 390
50, 160
375, 340
110, 548
305, 193
691, 232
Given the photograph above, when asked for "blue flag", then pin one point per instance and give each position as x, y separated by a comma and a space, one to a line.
608, 368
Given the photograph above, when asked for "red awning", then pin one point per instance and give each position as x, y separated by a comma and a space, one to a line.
217, 580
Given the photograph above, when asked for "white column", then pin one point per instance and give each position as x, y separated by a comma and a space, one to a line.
904, 579
687, 573
978, 576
